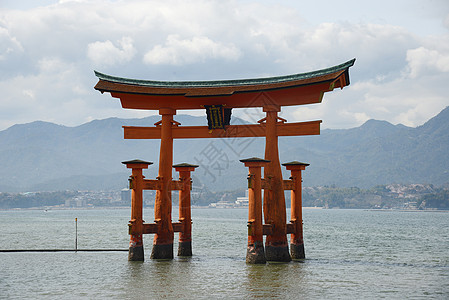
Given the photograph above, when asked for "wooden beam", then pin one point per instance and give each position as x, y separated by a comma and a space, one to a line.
267, 229
288, 185
232, 131
155, 184
178, 227
151, 184
177, 185
151, 228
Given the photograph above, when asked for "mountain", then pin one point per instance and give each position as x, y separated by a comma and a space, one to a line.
379, 153
45, 156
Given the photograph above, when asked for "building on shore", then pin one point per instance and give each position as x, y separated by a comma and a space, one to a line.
240, 202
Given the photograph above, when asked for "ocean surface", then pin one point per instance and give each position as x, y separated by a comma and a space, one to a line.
351, 254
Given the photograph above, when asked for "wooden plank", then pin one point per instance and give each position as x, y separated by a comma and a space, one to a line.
290, 228
232, 131
178, 227
154, 184
267, 229
151, 184
300, 128
149, 228
177, 185
288, 185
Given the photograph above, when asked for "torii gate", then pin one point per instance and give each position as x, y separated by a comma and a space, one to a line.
219, 97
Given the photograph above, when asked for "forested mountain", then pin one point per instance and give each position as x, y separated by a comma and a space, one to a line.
42, 156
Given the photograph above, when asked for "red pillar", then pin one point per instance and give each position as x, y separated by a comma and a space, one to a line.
163, 239
296, 238
185, 216
276, 244
255, 253
136, 252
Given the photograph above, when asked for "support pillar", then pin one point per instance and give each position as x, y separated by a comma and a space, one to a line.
136, 252
276, 244
163, 239
185, 216
297, 238
255, 253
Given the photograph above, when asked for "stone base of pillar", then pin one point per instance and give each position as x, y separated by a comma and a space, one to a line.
255, 253
185, 249
164, 251
135, 253
277, 253
297, 251
135, 248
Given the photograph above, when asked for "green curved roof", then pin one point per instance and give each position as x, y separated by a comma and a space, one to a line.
221, 83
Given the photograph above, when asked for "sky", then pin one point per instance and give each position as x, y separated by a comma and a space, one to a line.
49, 50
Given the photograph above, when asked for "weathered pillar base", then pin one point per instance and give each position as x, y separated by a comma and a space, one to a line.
136, 248
255, 254
297, 251
164, 251
135, 253
277, 253
185, 249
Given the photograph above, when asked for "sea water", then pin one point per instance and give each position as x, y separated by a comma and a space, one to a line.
351, 254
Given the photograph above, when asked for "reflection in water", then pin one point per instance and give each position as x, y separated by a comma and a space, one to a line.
158, 278
275, 280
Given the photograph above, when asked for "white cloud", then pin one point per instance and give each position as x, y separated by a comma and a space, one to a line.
446, 21
52, 65
47, 55
105, 53
177, 51
29, 93
379, 49
8, 44
427, 60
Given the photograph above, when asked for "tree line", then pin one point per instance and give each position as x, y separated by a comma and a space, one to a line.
35, 199
379, 197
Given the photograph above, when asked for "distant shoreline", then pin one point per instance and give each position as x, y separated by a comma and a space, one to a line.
48, 209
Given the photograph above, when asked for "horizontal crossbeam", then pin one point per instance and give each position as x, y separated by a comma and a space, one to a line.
155, 184
268, 229
253, 130
287, 184
151, 228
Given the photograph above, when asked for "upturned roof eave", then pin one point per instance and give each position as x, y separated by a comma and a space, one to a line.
109, 83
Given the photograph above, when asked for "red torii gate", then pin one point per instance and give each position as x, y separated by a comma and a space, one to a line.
268, 93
